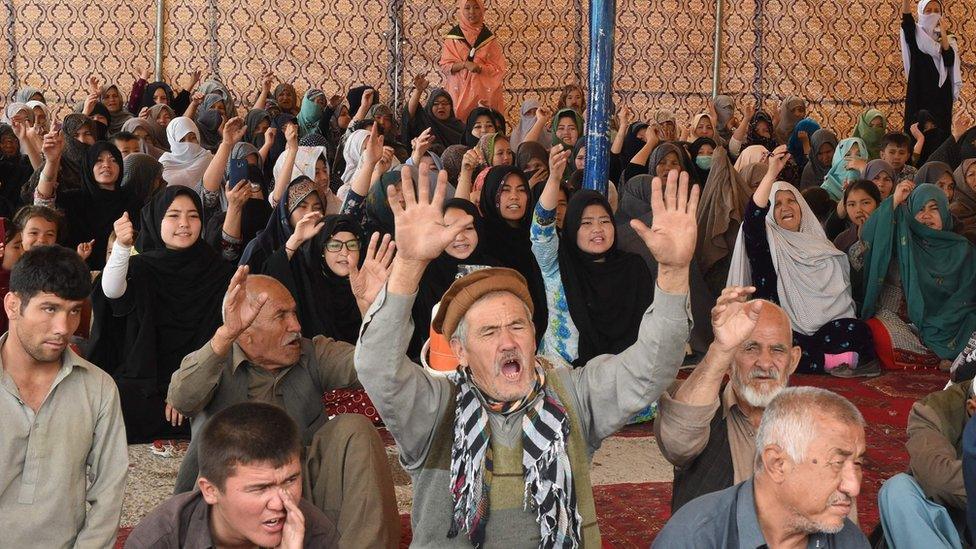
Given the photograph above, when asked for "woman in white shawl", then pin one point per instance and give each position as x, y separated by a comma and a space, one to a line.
782, 250
187, 161
932, 63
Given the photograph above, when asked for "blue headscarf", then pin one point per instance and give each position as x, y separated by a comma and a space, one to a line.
839, 173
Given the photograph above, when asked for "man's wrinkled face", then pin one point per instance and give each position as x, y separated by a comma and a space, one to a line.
499, 347
762, 366
821, 489
274, 340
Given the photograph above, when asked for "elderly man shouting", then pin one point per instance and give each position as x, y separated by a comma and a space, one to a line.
500, 451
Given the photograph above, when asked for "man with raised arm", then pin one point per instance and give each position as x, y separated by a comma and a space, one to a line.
500, 451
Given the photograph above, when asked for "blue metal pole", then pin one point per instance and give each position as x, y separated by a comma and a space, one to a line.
597, 167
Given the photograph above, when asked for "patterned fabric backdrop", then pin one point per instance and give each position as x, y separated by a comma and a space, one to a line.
843, 56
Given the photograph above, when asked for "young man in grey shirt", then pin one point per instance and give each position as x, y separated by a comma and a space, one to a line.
63, 456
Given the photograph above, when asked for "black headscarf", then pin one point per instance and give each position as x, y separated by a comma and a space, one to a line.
172, 305
101, 129
355, 98
693, 150
15, 170
606, 298
147, 101
447, 132
140, 172
254, 217
251, 121
511, 245
326, 305
91, 211
934, 137
632, 143
441, 273
753, 137
209, 123
496, 118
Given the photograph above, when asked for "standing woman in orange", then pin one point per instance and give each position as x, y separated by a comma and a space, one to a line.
472, 62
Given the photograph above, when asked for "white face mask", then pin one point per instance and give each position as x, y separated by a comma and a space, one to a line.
930, 22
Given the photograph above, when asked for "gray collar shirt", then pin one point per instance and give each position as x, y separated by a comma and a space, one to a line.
63, 468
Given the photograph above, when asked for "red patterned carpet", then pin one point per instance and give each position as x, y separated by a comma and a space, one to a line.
631, 515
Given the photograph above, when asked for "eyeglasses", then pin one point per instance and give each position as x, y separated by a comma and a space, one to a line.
336, 245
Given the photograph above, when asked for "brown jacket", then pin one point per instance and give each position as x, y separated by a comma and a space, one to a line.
934, 445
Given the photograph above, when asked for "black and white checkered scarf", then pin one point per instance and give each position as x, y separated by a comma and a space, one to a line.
545, 462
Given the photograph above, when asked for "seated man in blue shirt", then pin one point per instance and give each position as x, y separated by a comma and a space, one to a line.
809, 449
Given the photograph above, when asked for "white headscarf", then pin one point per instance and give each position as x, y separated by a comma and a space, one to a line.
352, 152
305, 166
13, 108
525, 126
813, 276
47, 112
926, 36
186, 162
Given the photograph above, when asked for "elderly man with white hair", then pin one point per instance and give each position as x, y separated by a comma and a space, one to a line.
707, 428
500, 452
809, 450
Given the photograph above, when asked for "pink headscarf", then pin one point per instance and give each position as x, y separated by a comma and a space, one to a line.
470, 31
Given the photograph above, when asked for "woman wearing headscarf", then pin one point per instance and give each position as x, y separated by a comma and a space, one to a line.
208, 123
315, 265
963, 204
162, 114
595, 292
938, 174
28, 93
920, 280
528, 119
287, 98
187, 161
495, 150
256, 122
333, 128
142, 176
861, 198
882, 174
533, 159
79, 134
932, 63
799, 142
842, 169
871, 128
111, 97
302, 199
452, 158
567, 127
352, 153
42, 114
725, 113
15, 169
303, 161
481, 121
506, 203
928, 136
310, 113
437, 114
383, 116
791, 110
472, 61
155, 93
464, 252
91, 210
820, 159
782, 251
170, 297
151, 134
720, 211
212, 86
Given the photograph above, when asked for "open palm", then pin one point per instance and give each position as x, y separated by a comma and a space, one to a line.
672, 236
367, 281
421, 233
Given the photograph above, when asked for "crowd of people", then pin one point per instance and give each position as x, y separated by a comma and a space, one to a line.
190, 264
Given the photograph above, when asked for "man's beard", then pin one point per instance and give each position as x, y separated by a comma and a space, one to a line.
753, 396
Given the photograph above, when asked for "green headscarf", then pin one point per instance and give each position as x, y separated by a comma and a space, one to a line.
938, 270
486, 144
310, 113
555, 124
871, 136
838, 172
